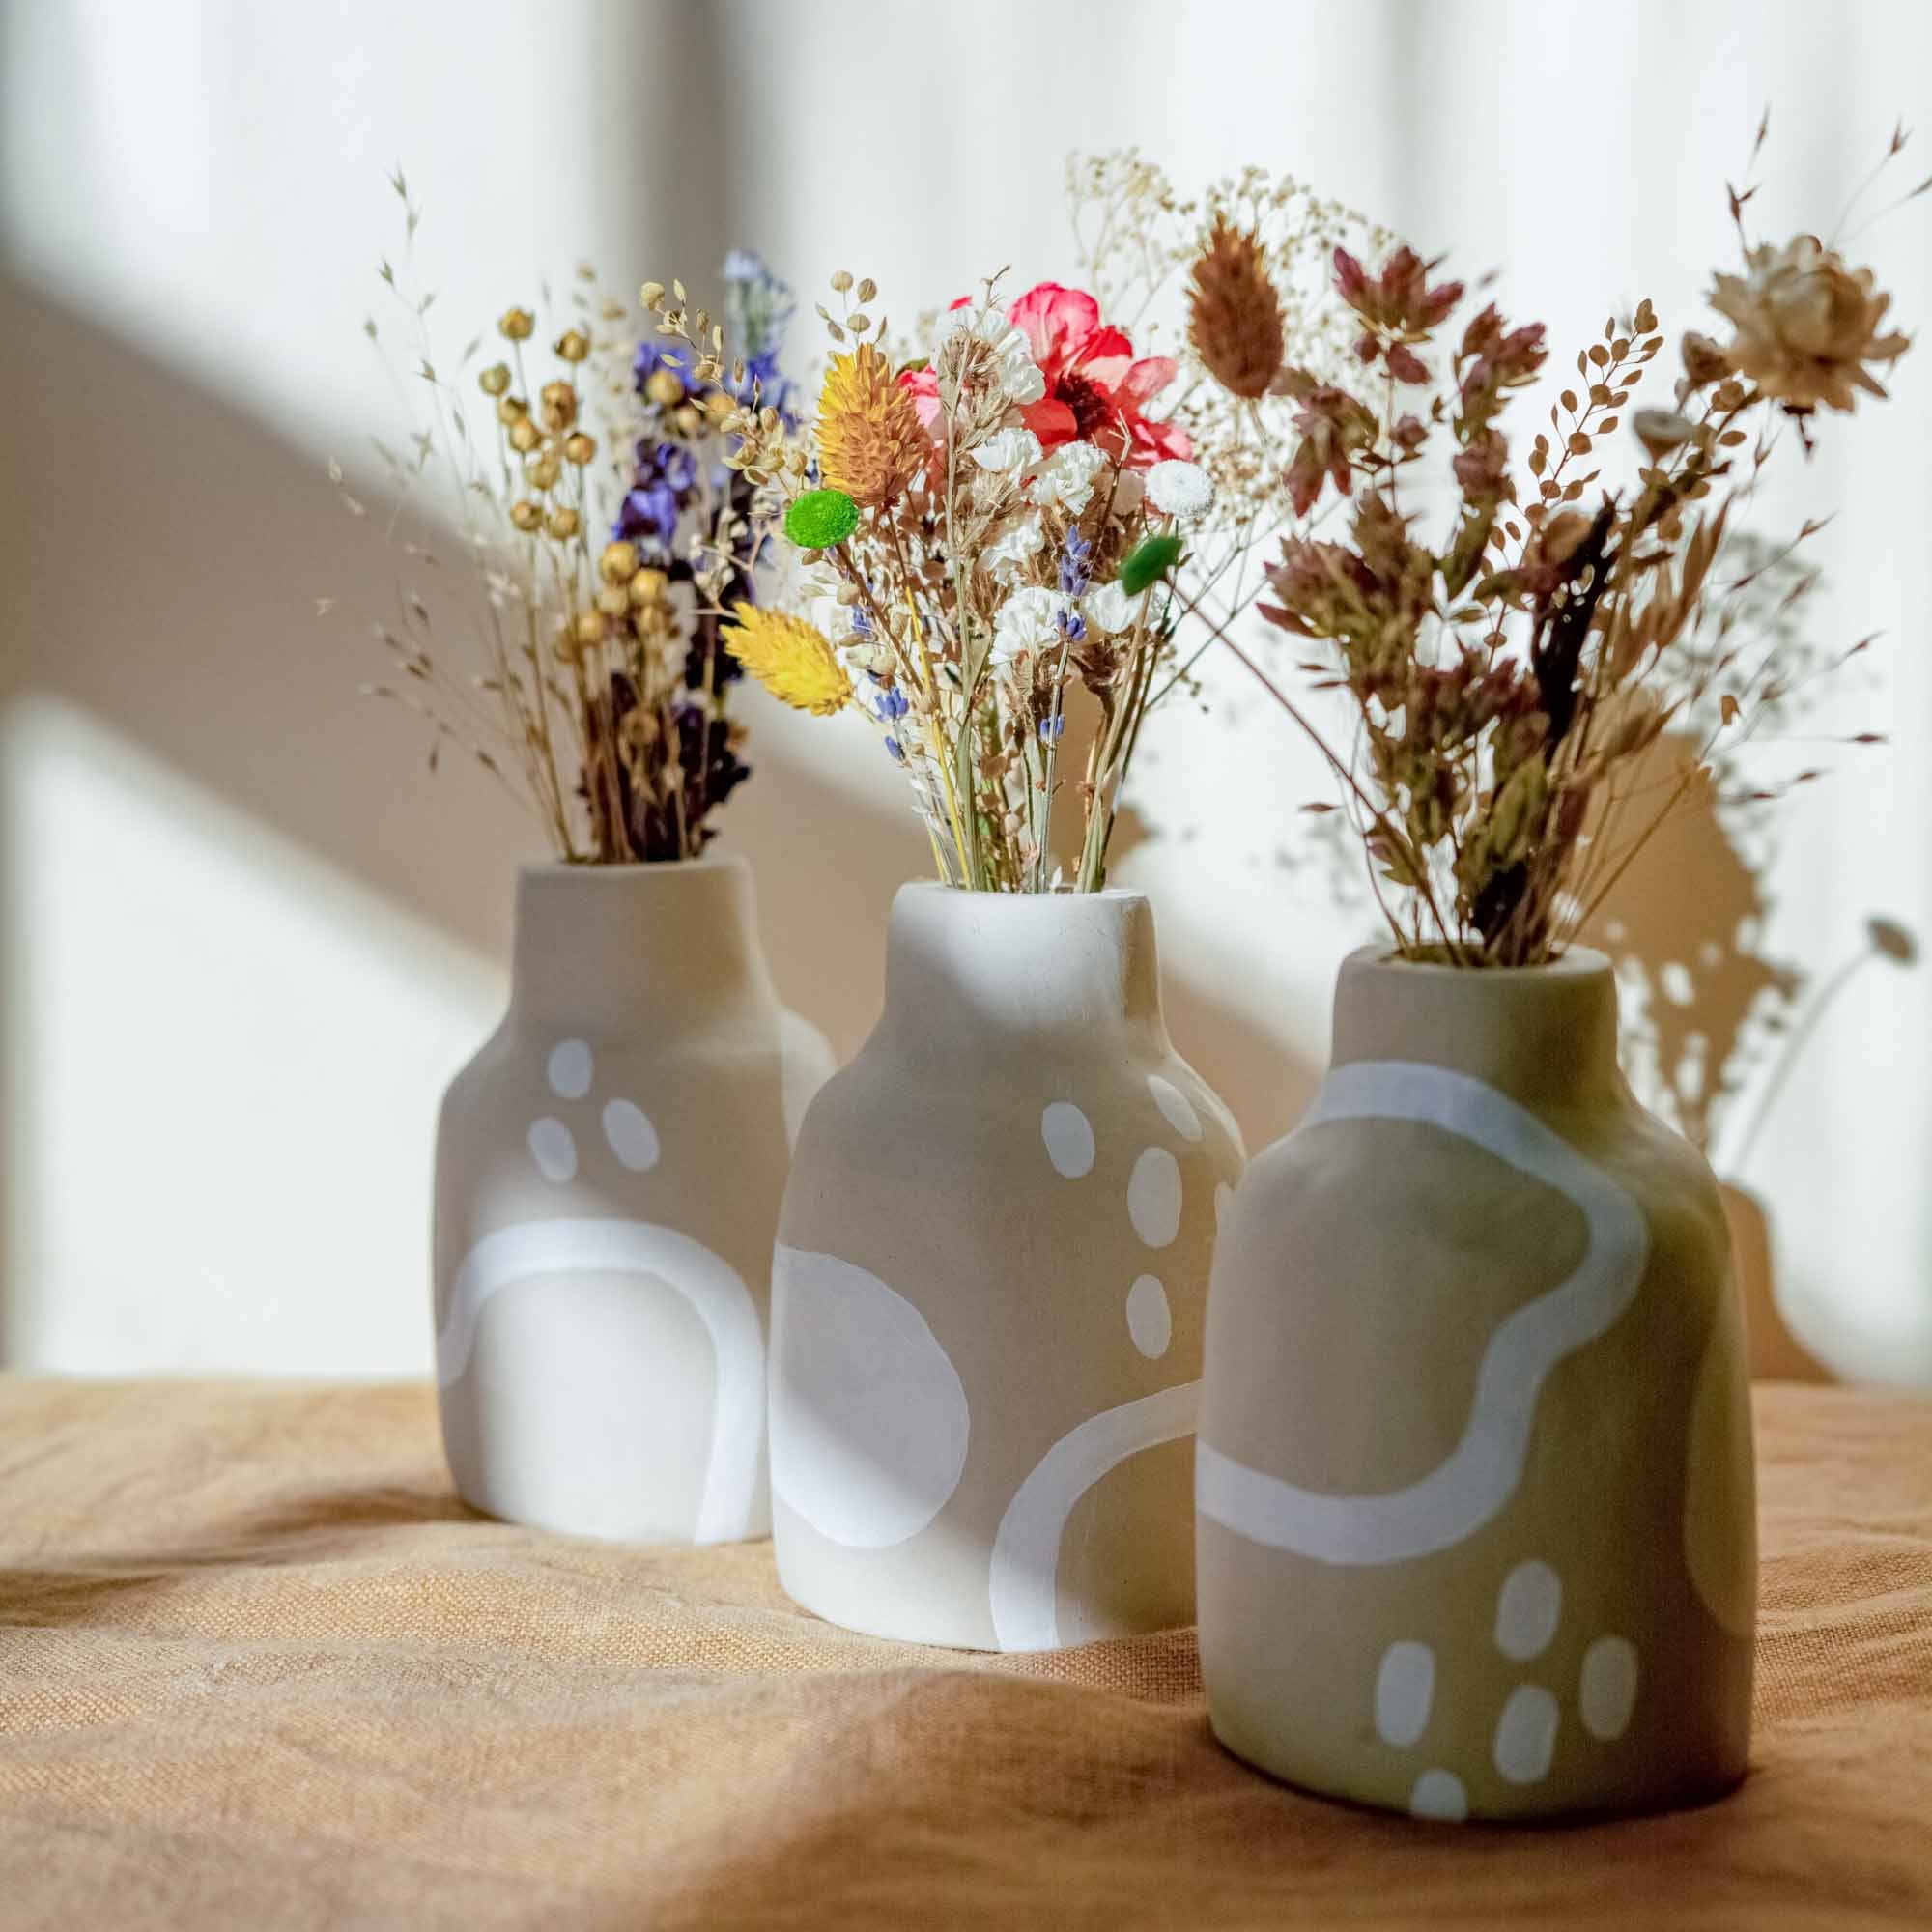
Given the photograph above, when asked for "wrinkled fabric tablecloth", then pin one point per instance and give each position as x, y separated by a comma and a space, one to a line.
259, 1668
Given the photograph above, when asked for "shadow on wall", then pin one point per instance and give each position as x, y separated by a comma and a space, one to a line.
163, 552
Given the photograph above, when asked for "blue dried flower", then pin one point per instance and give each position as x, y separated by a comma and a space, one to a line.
895, 751
1050, 728
892, 704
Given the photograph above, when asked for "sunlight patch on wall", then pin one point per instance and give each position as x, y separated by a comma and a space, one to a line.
222, 1061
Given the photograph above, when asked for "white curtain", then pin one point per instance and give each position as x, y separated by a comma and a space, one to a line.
244, 936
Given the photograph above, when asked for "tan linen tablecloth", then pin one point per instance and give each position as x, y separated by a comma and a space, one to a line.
259, 1668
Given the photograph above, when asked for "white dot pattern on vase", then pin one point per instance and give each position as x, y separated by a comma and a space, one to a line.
1439, 1794
552, 1150
570, 1069
1525, 1738
632, 1137
1176, 1107
1154, 1196
1150, 1320
1606, 1687
1068, 1135
1529, 1609
1404, 1692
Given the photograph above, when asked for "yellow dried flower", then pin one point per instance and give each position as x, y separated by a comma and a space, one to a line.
613, 600
559, 405
544, 471
663, 387
573, 345
526, 514
495, 380
524, 436
516, 324
651, 295
590, 627
563, 524
620, 562
1234, 319
1807, 325
688, 420
791, 658
648, 586
870, 442
511, 410
580, 448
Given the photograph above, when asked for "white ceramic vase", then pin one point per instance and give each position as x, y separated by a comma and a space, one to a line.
609, 1172
1477, 1532
988, 1294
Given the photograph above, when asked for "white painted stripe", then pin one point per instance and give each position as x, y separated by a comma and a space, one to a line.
711, 1284
1025, 1551
1481, 1474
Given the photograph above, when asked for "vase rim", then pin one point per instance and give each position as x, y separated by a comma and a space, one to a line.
1574, 962
630, 869
1116, 895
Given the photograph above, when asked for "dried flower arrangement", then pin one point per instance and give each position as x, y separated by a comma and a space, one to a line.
605, 553
1005, 531
1506, 690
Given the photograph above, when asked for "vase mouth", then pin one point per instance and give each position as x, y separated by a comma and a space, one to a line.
938, 889
631, 869
1573, 963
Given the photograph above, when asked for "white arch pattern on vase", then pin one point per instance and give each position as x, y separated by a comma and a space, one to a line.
716, 1293
1026, 1548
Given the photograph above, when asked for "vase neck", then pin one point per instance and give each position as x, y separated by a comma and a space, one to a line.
963, 968
607, 946
1546, 1035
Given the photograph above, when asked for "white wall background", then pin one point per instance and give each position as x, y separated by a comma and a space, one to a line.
243, 938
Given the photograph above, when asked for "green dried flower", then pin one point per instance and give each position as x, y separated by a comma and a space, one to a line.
820, 519
1149, 561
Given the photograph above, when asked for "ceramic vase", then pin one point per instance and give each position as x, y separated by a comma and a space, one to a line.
1476, 1517
609, 1172
989, 1287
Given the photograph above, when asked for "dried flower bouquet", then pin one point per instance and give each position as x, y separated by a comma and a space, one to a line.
608, 530
1009, 531
1508, 682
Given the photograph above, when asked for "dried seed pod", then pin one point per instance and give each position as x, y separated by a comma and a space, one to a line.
1234, 319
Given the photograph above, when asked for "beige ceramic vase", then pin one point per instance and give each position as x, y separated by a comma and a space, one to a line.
1477, 1532
609, 1171
989, 1293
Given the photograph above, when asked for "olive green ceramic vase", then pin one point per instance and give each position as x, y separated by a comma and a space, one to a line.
1474, 1482
989, 1287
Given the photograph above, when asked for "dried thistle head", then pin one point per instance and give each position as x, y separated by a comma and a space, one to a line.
870, 441
1235, 315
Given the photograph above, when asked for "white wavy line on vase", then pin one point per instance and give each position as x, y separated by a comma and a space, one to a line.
1026, 1551
713, 1288
1481, 1474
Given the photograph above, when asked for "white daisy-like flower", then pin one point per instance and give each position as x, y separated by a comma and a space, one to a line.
1180, 489
1066, 480
1110, 609
1019, 375
1007, 451
1014, 540
1028, 623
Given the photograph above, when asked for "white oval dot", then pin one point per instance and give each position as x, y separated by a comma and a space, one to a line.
552, 1148
1526, 1734
1175, 1106
1606, 1688
632, 1137
1439, 1794
1154, 1196
1068, 1135
1528, 1607
571, 1068
1405, 1690
1150, 1320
